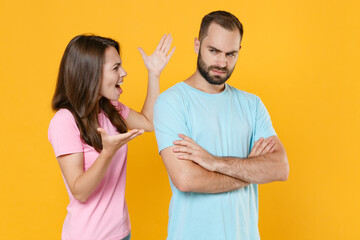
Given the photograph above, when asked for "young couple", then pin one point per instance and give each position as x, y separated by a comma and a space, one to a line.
214, 190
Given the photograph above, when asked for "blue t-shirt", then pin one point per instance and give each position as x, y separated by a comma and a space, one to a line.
224, 124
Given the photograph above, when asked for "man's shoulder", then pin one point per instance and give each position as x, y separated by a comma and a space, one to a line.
173, 93
243, 95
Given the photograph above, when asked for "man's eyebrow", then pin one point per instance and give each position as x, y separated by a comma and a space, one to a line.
214, 48
231, 52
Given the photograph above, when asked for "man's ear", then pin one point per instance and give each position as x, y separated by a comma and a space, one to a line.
196, 45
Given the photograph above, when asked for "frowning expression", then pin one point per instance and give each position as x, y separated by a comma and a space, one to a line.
218, 53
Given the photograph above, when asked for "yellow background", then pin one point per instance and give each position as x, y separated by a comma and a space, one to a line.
300, 57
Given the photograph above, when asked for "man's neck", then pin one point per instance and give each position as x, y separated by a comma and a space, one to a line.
199, 82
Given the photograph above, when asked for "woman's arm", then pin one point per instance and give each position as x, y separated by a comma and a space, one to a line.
154, 63
82, 183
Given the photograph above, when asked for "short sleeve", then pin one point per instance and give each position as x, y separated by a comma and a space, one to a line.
64, 134
121, 108
169, 121
263, 125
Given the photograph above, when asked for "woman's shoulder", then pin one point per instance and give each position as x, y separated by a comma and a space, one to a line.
64, 134
63, 113
62, 117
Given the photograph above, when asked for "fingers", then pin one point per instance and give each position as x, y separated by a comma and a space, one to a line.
159, 46
125, 137
183, 146
265, 146
171, 53
163, 46
179, 149
132, 134
272, 149
186, 138
140, 132
188, 157
269, 147
184, 157
192, 158
262, 146
256, 146
167, 43
182, 143
142, 52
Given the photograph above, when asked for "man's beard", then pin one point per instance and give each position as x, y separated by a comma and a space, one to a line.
205, 72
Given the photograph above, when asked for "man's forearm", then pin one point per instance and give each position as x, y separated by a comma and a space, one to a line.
261, 169
201, 180
267, 161
188, 176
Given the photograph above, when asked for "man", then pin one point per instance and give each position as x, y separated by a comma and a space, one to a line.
227, 144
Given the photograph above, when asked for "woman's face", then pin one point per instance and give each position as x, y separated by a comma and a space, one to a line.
112, 76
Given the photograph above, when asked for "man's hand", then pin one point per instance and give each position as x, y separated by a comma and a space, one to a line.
191, 151
262, 146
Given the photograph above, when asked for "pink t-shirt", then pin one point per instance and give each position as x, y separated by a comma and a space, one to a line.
104, 215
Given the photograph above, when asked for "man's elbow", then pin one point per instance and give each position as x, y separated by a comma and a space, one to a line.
182, 187
284, 173
182, 182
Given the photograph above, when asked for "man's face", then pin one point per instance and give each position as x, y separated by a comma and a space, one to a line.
218, 53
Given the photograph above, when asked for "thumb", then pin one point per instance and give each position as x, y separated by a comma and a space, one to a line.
102, 132
142, 52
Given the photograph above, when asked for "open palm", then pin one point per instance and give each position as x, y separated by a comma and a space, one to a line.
157, 61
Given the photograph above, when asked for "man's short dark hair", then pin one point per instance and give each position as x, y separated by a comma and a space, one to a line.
224, 19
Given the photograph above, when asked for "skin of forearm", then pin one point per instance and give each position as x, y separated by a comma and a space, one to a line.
153, 91
261, 169
188, 176
87, 182
204, 181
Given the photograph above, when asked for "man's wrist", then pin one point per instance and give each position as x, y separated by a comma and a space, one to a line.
218, 163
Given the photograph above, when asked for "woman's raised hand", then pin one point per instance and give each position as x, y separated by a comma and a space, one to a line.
157, 61
112, 143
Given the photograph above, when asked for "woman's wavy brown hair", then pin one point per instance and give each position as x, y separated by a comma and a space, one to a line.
78, 86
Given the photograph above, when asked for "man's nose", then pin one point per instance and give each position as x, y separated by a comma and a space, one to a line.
221, 60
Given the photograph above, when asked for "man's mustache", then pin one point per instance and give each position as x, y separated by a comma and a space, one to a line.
224, 69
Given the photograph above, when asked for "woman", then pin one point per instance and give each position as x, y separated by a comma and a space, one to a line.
89, 133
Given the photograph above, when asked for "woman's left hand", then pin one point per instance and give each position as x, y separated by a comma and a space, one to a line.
157, 61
